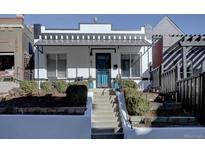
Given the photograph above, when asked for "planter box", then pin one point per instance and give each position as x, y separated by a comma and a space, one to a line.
48, 126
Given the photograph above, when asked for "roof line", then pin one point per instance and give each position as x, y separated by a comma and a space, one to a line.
173, 23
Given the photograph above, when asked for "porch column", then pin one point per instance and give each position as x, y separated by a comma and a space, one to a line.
203, 66
184, 60
178, 71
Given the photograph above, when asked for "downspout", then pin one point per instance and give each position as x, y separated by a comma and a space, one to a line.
38, 72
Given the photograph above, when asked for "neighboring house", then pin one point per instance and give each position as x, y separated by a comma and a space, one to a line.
193, 46
94, 50
165, 34
173, 50
16, 49
169, 41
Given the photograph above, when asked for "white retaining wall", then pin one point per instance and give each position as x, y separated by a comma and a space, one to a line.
156, 133
47, 126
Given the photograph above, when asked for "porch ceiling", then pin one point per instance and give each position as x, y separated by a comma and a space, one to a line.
137, 42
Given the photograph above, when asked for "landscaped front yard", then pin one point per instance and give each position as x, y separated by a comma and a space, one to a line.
149, 110
57, 97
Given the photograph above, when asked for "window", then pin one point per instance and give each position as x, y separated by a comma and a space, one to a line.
56, 65
61, 58
130, 65
51, 65
135, 65
125, 65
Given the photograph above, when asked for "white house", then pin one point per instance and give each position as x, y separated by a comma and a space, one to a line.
94, 50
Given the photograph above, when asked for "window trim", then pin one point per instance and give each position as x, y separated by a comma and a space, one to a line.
130, 53
57, 65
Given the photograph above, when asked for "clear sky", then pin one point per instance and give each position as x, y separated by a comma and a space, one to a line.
190, 24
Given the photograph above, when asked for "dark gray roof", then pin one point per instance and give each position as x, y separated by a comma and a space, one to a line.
137, 42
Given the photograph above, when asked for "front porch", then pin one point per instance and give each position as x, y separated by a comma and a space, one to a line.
101, 63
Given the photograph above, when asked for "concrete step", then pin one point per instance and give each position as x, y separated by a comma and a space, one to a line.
165, 106
108, 136
100, 98
105, 113
102, 125
106, 118
107, 130
106, 93
104, 106
172, 120
103, 98
103, 102
101, 110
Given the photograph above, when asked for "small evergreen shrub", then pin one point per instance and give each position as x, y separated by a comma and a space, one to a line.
28, 87
77, 94
60, 86
128, 84
131, 91
136, 104
47, 87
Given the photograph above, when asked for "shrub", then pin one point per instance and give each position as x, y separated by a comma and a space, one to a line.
77, 94
128, 84
28, 87
136, 104
47, 87
60, 86
84, 82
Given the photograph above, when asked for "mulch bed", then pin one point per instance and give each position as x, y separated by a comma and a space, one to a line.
40, 103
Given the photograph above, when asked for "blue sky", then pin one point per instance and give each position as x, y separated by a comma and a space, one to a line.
190, 24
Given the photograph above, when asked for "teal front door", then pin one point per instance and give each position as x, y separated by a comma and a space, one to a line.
103, 70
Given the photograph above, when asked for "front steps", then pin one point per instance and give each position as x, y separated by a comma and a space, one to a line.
106, 123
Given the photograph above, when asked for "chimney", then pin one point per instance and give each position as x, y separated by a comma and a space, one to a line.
20, 16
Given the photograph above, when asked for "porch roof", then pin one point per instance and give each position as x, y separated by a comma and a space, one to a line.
136, 42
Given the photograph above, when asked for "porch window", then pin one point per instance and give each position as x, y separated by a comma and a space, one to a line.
56, 65
61, 58
135, 65
130, 65
125, 65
